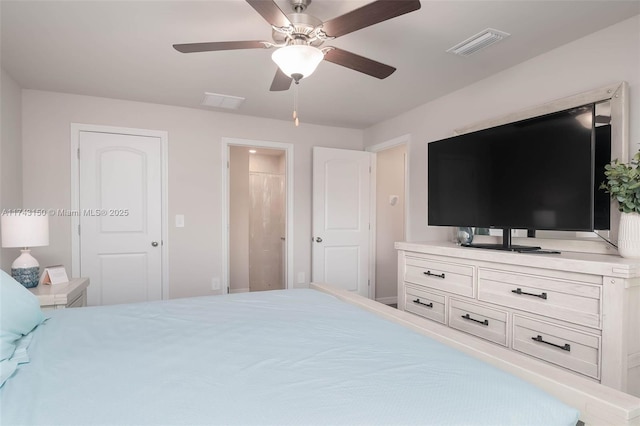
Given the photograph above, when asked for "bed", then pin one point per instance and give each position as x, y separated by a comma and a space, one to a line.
307, 356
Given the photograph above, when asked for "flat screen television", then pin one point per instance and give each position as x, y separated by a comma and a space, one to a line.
541, 173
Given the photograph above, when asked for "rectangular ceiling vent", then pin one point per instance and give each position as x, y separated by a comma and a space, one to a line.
221, 101
477, 42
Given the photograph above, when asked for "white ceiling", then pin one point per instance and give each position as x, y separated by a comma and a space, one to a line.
123, 49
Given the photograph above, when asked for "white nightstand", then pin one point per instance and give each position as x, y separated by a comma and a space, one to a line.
61, 296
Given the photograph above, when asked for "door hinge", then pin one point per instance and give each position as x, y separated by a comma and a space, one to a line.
368, 283
227, 164
78, 152
78, 229
228, 290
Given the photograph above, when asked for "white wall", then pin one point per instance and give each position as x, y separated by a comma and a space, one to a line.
10, 157
605, 57
195, 189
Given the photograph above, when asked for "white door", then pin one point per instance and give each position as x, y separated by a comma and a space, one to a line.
120, 207
341, 211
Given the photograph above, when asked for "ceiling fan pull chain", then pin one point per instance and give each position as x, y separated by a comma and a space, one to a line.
295, 102
296, 121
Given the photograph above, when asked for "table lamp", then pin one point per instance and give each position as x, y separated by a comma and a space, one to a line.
25, 231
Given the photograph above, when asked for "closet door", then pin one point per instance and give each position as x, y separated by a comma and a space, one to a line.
120, 217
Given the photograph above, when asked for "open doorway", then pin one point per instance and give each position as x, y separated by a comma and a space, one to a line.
390, 214
258, 217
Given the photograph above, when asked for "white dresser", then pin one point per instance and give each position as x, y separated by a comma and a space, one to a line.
577, 311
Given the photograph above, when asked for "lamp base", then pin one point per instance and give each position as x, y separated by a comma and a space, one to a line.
28, 277
26, 269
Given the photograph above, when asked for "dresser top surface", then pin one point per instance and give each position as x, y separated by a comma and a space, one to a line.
599, 264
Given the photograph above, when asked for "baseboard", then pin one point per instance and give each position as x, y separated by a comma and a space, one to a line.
239, 290
387, 300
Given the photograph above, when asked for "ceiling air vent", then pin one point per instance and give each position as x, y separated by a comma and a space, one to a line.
479, 41
222, 101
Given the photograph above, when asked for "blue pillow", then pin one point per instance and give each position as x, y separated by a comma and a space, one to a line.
19, 314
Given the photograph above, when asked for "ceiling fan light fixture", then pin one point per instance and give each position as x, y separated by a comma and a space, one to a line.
297, 59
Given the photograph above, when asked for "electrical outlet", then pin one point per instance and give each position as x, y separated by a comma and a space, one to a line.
215, 283
301, 278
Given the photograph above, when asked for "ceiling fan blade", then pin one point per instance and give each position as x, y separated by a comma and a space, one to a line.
218, 45
359, 63
280, 82
367, 15
270, 11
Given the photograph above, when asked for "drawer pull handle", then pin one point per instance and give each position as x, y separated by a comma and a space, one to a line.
467, 317
565, 347
519, 291
431, 274
428, 305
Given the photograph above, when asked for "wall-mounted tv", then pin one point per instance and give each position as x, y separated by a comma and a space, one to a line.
541, 173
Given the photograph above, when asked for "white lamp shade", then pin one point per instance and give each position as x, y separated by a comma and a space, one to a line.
298, 59
24, 231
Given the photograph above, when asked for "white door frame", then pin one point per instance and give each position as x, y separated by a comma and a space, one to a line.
288, 149
76, 128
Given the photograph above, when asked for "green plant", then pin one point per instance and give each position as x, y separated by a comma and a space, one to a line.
623, 183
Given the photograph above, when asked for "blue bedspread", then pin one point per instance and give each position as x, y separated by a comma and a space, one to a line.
272, 358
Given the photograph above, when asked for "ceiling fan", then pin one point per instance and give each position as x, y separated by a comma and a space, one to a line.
298, 37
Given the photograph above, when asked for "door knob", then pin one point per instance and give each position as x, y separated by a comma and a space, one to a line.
318, 240
154, 243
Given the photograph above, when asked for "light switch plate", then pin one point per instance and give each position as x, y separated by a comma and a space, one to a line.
215, 283
179, 221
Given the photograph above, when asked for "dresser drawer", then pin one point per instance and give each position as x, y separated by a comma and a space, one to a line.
572, 301
480, 321
562, 346
449, 277
79, 301
425, 303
